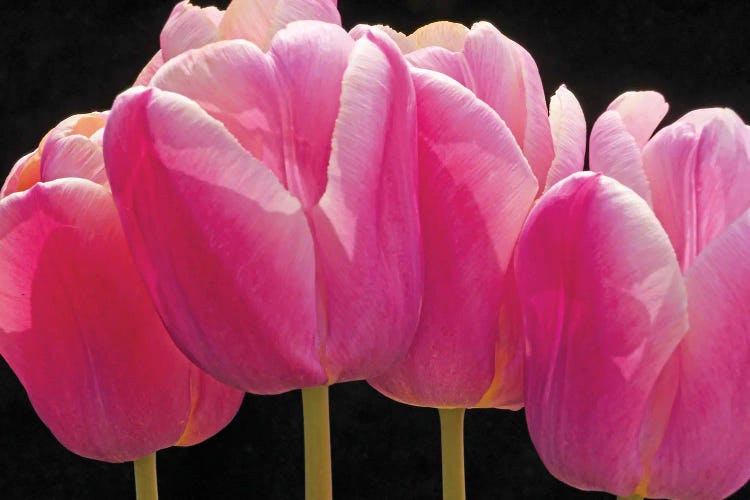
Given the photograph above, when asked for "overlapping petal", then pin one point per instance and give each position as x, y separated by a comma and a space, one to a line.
475, 190
601, 318
215, 236
568, 136
76, 321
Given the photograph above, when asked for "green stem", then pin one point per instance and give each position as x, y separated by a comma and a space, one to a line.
631, 497
145, 478
452, 441
317, 443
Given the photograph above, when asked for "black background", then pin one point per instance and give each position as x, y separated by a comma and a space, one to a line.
60, 58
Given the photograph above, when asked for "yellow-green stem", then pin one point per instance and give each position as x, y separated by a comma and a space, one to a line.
145, 478
317, 443
631, 497
452, 442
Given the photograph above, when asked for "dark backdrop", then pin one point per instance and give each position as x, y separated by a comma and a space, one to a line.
58, 58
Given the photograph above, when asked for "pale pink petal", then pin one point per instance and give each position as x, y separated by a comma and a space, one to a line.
444, 61
401, 40
78, 328
604, 306
188, 27
258, 20
445, 34
72, 156
248, 104
366, 225
700, 179
704, 451
475, 191
568, 136
224, 249
614, 152
641, 112
282, 106
148, 72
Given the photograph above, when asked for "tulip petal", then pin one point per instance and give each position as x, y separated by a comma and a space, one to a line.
568, 136
700, 176
188, 27
224, 249
475, 191
281, 107
70, 292
257, 21
148, 71
614, 152
445, 34
366, 225
401, 40
72, 156
641, 113
604, 306
704, 450
14, 182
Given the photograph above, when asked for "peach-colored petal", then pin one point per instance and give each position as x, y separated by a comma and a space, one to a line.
258, 20
445, 34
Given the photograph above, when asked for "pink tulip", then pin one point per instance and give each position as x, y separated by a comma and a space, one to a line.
635, 301
76, 323
191, 27
486, 145
269, 200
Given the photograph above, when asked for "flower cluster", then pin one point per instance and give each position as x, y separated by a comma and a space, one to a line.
280, 204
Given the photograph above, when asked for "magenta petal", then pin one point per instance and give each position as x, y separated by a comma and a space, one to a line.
475, 191
704, 451
366, 225
225, 250
258, 21
79, 330
604, 306
568, 136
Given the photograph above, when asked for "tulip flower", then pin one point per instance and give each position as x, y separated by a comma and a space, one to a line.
634, 290
270, 202
192, 27
76, 323
487, 144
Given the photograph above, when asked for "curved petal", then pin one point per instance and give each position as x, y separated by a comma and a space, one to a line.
475, 191
366, 225
614, 152
212, 406
282, 106
502, 74
604, 306
568, 136
188, 27
445, 34
700, 177
225, 251
641, 112
704, 451
72, 156
148, 71
401, 40
257, 21
78, 328
16, 177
